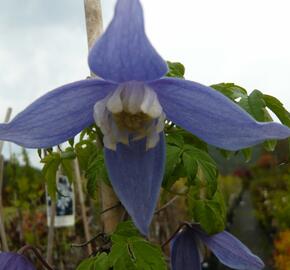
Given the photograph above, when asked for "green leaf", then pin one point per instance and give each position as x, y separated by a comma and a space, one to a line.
102, 262
176, 139
68, 169
257, 108
207, 169
247, 153
120, 257
191, 166
278, 109
176, 70
84, 150
96, 172
69, 153
173, 154
230, 90
51, 165
257, 105
210, 214
87, 264
71, 142
130, 251
148, 256
127, 229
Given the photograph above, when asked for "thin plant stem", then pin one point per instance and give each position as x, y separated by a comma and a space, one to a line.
37, 254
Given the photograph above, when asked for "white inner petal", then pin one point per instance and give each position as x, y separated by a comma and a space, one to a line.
150, 104
132, 112
115, 104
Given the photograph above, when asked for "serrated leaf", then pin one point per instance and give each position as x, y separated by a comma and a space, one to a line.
102, 262
210, 214
230, 90
191, 166
148, 256
257, 105
175, 139
207, 168
120, 257
247, 153
278, 109
173, 154
96, 172
67, 167
85, 150
51, 165
244, 104
127, 229
130, 251
176, 70
87, 264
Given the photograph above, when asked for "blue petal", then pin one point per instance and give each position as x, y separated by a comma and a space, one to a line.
56, 116
184, 252
231, 251
14, 261
211, 116
136, 176
124, 52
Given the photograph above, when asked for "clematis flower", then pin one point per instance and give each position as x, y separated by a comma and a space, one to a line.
186, 250
129, 104
14, 261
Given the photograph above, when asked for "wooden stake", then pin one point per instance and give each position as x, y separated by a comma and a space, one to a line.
6, 119
50, 237
2, 227
108, 198
78, 180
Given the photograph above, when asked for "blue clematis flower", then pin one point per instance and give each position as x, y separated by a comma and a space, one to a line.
186, 250
14, 261
130, 104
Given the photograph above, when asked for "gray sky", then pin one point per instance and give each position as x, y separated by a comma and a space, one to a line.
43, 44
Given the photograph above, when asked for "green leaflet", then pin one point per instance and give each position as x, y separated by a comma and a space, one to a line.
230, 90
100, 262
277, 107
51, 165
131, 251
52, 162
211, 214
176, 70
183, 160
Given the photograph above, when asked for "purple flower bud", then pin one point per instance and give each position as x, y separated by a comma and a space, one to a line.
14, 261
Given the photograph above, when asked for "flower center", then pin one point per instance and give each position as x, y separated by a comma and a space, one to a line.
131, 122
131, 112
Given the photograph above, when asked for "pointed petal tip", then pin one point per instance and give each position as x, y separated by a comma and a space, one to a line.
213, 117
136, 176
231, 251
124, 52
57, 116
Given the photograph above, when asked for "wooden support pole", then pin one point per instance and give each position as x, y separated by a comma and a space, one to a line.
94, 25
6, 119
50, 237
2, 227
78, 181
